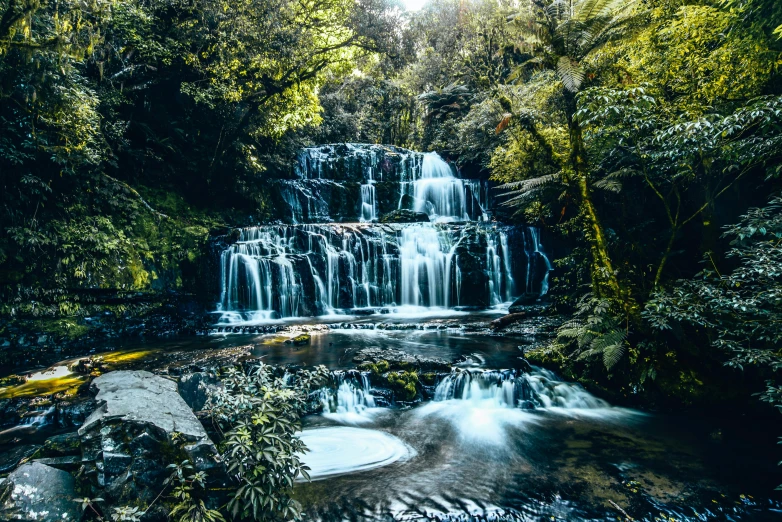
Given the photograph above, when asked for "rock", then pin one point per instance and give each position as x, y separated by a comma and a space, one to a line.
68, 463
195, 387
299, 339
11, 458
399, 360
37, 492
142, 425
66, 444
405, 216
525, 299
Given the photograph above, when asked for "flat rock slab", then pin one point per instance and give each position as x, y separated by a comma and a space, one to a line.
40, 493
140, 426
139, 396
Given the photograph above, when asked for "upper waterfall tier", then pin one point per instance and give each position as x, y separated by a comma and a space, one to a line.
361, 183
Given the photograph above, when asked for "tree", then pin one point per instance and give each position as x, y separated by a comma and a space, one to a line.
561, 35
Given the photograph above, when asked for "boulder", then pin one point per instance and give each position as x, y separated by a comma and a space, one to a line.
299, 340
140, 426
195, 387
11, 458
405, 216
40, 493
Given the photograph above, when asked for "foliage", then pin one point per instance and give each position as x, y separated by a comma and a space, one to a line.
260, 415
188, 495
741, 307
596, 330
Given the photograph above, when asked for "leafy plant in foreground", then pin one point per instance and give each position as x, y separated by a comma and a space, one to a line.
260, 414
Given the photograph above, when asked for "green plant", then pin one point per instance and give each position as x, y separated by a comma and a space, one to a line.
597, 330
187, 495
260, 414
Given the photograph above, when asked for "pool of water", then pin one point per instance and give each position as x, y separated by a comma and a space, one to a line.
476, 460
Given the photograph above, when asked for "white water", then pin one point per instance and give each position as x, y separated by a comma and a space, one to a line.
353, 402
339, 450
440, 194
285, 271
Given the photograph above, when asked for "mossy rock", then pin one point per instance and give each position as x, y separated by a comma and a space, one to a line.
377, 368
428, 378
60, 445
404, 385
299, 340
405, 216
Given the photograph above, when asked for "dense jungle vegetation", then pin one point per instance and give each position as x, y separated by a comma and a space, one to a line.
645, 135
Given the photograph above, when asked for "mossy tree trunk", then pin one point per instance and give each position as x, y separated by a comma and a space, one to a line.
604, 280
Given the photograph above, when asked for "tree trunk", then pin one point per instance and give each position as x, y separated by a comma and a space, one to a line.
604, 280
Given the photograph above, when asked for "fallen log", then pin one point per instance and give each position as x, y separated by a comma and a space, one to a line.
507, 320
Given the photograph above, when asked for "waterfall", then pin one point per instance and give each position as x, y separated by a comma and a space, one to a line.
305, 270
537, 262
313, 267
505, 388
440, 194
348, 398
539, 388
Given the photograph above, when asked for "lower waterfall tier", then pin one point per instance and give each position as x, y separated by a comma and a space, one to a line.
309, 270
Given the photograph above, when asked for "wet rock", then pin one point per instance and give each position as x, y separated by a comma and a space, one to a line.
405, 216
523, 301
195, 387
299, 339
397, 359
141, 426
41, 493
65, 444
68, 463
10, 459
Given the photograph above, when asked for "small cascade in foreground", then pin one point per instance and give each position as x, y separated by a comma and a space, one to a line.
352, 394
538, 388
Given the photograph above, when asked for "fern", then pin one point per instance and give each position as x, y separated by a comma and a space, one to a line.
571, 73
596, 330
612, 354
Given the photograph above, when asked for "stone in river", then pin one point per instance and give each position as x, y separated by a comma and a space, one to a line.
37, 492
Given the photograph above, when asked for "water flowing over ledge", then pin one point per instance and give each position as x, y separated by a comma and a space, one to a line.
457, 259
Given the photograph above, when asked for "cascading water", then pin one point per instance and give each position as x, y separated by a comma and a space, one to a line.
539, 388
350, 393
309, 269
440, 194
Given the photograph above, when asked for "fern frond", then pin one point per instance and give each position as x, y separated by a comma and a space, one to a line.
609, 338
531, 183
613, 353
570, 73
611, 185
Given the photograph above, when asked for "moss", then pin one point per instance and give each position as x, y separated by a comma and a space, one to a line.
299, 339
546, 355
428, 378
403, 384
377, 368
68, 328
68, 384
115, 359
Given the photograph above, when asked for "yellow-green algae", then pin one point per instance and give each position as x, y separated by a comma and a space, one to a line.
68, 384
